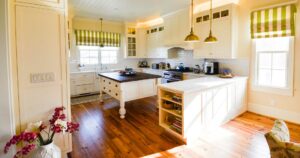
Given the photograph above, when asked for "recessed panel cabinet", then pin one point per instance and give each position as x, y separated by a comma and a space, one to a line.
177, 27
224, 28
154, 42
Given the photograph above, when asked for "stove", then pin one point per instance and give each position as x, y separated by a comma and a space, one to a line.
174, 75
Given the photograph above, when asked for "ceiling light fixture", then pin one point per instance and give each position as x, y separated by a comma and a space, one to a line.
210, 38
101, 33
192, 37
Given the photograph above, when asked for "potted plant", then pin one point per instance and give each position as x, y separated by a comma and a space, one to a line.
37, 140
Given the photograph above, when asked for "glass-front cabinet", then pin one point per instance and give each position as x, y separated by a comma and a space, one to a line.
131, 42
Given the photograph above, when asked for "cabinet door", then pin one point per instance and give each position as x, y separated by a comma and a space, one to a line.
201, 49
141, 42
50, 3
222, 48
41, 48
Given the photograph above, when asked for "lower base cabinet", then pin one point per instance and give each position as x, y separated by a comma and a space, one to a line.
187, 115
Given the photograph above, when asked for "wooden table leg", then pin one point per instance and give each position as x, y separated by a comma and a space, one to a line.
122, 110
101, 96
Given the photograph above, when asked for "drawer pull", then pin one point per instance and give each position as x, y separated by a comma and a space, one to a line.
104, 87
116, 86
116, 94
103, 80
109, 83
109, 90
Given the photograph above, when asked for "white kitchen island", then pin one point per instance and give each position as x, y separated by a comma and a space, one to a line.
127, 88
191, 107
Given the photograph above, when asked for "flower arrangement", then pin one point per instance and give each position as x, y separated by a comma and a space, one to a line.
40, 134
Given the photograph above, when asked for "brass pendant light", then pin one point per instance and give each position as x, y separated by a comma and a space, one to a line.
192, 37
211, 38
101, 44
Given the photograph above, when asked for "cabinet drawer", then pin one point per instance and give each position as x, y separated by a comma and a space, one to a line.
82, 89
113, 85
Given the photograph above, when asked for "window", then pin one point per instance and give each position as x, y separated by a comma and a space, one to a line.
89, 55
274, 64
109, 56
93, 55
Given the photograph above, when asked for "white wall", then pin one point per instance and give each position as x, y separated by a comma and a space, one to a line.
278, 106
108, 26
6, 122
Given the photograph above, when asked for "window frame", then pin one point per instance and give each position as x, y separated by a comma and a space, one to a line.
99, 50
286, 91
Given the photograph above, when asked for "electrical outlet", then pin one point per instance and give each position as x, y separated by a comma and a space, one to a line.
42, 77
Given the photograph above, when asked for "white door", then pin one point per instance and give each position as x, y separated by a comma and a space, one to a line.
41, 50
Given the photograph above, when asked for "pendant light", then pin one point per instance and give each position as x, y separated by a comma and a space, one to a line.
192, 37
101, 44
211, 38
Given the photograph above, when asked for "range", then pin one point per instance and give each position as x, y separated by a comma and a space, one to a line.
174, 75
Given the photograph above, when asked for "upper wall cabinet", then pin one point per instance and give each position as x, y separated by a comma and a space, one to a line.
154, 42
177, 26
130, 41
224, 28
50, 3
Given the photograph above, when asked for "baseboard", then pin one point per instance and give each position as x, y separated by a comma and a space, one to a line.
274, 112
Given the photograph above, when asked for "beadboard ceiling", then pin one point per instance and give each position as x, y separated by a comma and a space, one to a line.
126, 10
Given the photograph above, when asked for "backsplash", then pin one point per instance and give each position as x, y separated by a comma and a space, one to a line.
238, 66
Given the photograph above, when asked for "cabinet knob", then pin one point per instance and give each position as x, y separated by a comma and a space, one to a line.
116, 85
109, 83
116, 94
109, 90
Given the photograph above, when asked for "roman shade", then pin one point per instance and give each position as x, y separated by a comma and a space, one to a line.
273, 22
97, 38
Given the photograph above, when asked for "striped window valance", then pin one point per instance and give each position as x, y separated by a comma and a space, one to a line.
97, 38
273, 22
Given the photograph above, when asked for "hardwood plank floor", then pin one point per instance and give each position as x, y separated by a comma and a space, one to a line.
103, 134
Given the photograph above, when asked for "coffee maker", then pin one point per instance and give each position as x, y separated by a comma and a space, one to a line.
211, 68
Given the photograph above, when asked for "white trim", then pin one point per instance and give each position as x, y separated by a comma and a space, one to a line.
6, 89
274, 112
276, 5
289, 91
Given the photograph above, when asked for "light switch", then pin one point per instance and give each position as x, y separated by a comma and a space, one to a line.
42, 77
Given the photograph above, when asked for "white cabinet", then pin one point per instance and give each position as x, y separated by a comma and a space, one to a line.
154, 42
224, 29
84, 83
141, 46
50, 3
202, 110
177, 27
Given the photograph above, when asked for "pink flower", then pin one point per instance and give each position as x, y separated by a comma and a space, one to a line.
72, 127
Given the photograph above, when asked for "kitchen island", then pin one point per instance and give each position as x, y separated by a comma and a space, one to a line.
127, 88
191, 107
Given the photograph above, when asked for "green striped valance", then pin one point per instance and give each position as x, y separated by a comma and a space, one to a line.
273, 22
97, 38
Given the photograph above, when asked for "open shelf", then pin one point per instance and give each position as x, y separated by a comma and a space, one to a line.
170, 100
173, 112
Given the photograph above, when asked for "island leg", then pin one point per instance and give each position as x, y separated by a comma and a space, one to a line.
122, 110
101, 96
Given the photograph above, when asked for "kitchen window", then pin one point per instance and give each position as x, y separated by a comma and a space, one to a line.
93, 55
274, 65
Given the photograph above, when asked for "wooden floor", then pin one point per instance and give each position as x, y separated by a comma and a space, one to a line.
103, 134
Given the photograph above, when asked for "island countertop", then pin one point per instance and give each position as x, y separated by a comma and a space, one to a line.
199, 84
119, 78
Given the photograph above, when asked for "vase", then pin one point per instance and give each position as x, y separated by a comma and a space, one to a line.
46, 151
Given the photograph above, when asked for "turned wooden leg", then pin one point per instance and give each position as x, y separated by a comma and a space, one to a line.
101, 96
122, 110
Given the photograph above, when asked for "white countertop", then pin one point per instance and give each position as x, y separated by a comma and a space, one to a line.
199, 84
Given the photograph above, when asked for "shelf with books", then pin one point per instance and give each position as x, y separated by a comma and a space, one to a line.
171, 121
